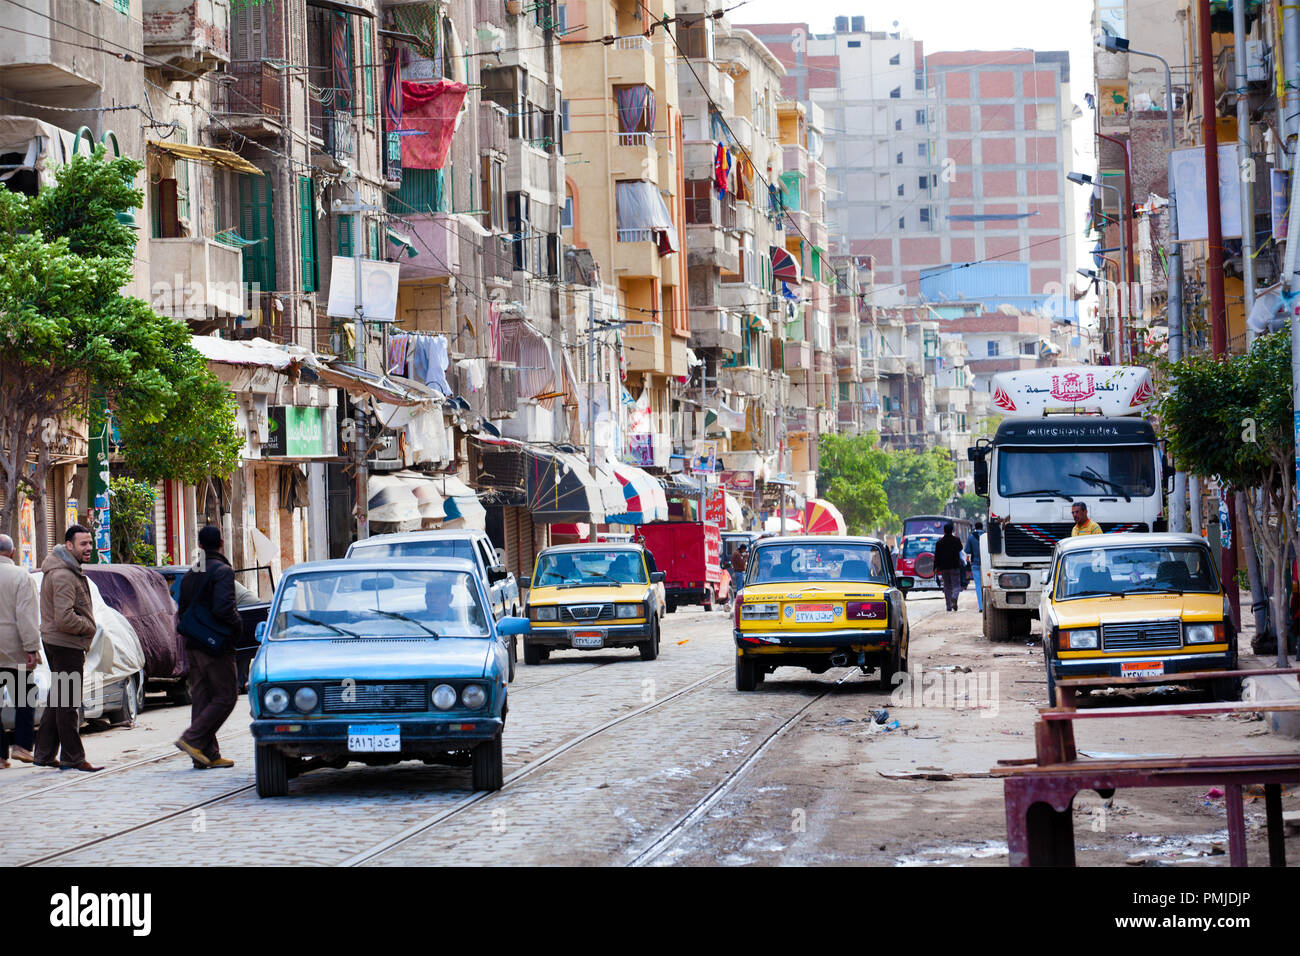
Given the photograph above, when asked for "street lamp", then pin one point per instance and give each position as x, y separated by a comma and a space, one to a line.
1174, 274
1083, 179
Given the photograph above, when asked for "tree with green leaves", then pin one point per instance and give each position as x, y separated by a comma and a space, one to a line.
850, 475
133, 504
918, 482
67, 334
1232, 418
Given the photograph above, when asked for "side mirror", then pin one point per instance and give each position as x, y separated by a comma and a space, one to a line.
905, 583
260, 631
525, 582
970, 453
656, 577
981, 476
512, 626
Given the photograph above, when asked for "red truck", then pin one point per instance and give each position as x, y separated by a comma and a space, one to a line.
689, 554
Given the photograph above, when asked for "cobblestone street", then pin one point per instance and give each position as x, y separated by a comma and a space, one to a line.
611, 760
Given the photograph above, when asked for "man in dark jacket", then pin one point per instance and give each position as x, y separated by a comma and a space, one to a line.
213, 678
947, 565
67, 630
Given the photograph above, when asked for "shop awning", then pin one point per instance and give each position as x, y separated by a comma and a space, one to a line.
644, 497
561, 489
735, 513
784, 265
253, 352
822, 517
759, 324
209, 155
679, 485
392, 500
358, 381
342, 6
461, 504
641, 207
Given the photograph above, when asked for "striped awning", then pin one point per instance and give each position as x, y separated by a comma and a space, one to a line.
784, 265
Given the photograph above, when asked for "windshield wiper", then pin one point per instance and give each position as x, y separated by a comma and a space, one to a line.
410, 620
1168, 590
1042, 491
1111, 593
1094, 479
332, 627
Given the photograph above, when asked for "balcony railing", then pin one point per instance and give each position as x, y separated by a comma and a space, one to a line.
253, 94
633, 43
635, 139
636, 235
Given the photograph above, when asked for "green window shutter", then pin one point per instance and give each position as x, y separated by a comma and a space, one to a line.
257, 221
368, 67
307, 233
344, 233
372, 229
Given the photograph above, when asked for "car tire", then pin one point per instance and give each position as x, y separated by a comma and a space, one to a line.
1226, 688
534, 653
888, 667
746, 674
671, 607
487, 768
997, 627
650, 649
270, 771
132, 693
179, 693
708, 599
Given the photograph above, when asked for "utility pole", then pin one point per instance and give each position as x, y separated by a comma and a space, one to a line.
591, 392
704, 490
1214, 263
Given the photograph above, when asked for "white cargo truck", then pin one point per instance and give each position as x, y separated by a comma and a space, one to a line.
1072, 434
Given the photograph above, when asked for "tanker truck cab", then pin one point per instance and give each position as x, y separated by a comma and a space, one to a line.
1070, 436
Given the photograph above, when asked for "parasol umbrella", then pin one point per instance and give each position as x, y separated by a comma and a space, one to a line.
822, 517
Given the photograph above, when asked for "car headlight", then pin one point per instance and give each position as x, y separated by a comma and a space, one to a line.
629, 610
1013, 580
305, 699
1203, 633
545, 613
444, 697
760, 612
1081, 639
276, 699
473, 696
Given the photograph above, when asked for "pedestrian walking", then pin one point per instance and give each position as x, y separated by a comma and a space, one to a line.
973, 554
1082, 523
67, 629
20, 652
947, 566
210, 623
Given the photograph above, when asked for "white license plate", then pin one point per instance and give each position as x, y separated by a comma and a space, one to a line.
374, 738
1142, 669
813, 617
589, 639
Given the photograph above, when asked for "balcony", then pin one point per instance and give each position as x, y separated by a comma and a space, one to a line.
744, 218
49, 47
631, 60
816, 174
890, 365
796, 222
822, 362
195, 279
636, 253
644, 347
743, 130
798, 355
795, 159
252, 104
744, 380
710, 246
439, 235
635, 156
715, 329
189, 37
846, 362
529, 170
801, 421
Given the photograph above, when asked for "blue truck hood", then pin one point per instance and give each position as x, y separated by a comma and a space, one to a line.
376, 658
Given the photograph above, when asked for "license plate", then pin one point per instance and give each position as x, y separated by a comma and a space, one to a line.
814, 613
374, 738
1142, 669
589, 639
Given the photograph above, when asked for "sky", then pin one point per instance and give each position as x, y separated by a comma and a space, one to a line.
964, 25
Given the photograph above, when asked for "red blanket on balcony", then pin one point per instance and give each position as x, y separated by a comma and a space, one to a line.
428, 120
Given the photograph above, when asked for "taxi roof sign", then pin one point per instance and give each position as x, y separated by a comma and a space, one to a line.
1113, 391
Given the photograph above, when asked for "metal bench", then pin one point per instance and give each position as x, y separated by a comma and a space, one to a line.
1039, 792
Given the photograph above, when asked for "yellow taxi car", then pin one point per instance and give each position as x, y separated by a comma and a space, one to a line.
591, 596
820, 601
1136, 605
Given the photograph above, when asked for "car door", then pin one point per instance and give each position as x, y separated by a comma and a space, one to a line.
496, 591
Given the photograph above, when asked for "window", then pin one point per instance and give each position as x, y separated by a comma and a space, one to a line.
922, 183
925, 215
566, 215
899, 159
564, 110
699, 201
695, 36
902, 222
896, 93
248, 32
561, 19
895, 59
343, 229
520, 229
855, 43
307, 232
368, 70
898, 124
256, 221
922, 151
1028, 348
920, 81
934, 179
900, 189
993, 349
920, 117
494, 193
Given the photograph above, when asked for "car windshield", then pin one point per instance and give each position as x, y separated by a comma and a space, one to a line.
597, 566
427, 548
348, 603
914, 547
775, 563
1167, 569
1108, 472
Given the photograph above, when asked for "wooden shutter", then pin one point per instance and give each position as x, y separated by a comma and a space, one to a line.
307, 232
368, 66
167, 225
257, 221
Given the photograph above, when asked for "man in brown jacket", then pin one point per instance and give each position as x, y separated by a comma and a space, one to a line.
67, 629
20, 645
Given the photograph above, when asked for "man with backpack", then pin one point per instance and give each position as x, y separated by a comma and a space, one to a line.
210, 624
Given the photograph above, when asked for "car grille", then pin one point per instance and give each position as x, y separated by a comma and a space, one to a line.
1037, 540
587, 612
369, 698
1142, 635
